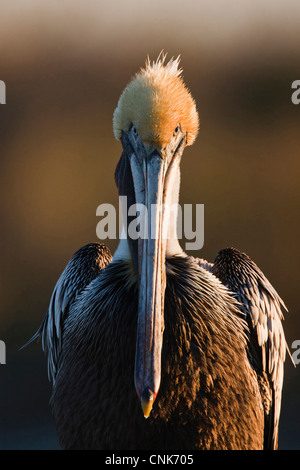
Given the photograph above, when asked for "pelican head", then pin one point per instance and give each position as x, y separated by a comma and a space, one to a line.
155, 119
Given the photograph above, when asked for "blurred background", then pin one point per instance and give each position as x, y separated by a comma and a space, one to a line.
65, 65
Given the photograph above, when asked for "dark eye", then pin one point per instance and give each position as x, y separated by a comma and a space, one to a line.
134, 129
177, 129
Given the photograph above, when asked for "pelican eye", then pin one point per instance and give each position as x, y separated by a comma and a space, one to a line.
176, 130
133, 128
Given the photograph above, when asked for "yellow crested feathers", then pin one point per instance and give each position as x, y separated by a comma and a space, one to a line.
155, 101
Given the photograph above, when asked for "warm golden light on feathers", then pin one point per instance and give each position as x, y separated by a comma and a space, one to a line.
155, 102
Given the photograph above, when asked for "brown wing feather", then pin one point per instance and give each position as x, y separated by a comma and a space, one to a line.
84, 266
262, 307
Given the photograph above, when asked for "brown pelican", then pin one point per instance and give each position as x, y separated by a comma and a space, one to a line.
198, 348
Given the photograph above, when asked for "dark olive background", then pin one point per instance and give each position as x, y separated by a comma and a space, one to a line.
65, 65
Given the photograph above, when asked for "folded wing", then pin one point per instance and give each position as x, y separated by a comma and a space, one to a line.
84, 266
262, 308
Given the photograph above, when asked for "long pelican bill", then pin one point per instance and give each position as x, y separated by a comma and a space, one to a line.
153, 183
152, 281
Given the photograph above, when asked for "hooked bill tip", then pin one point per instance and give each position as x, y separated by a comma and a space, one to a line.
147, 400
